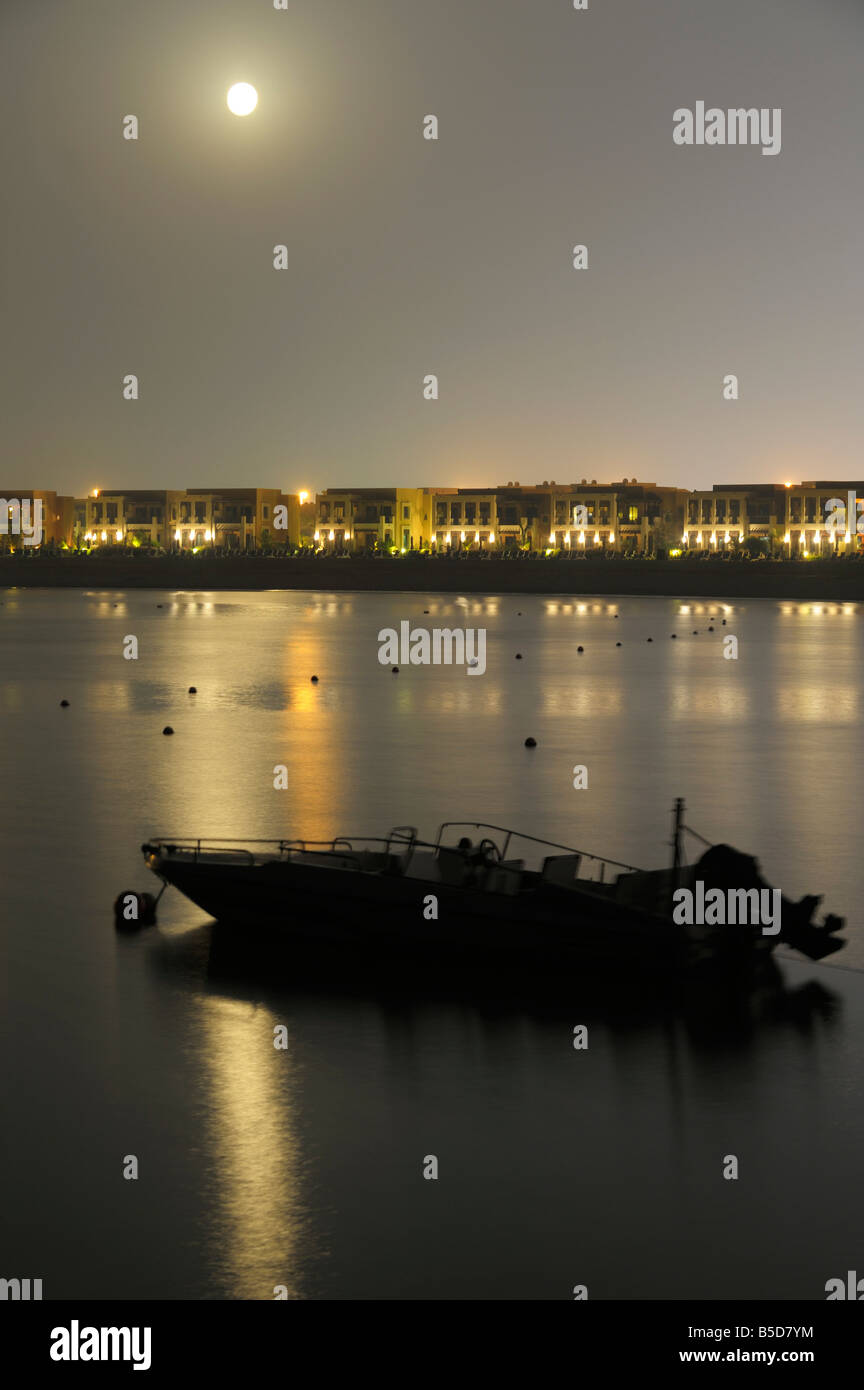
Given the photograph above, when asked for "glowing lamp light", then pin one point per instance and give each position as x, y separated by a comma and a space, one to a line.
726, 538
347, 535
684, 539
303, 498
611, 537
447, 538
462, 535
847, 538
477, 535
208, 535
581, 537
596, 537
787, 538
713, 537
331, 536
491, 537
104, 535
817, 537
95, 492
118, 535
317, 536
803, 538
552, 537
176, 535
567, 539
699, 538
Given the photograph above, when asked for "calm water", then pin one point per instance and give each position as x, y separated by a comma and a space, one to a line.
303, 1167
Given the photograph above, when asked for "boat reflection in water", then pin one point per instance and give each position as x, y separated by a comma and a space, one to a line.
313, 1153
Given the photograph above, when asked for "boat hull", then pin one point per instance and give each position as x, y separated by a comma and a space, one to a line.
389, 916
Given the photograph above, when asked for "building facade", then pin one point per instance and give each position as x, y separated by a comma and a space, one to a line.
794, 520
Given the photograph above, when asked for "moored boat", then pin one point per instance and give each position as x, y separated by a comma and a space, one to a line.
462, 897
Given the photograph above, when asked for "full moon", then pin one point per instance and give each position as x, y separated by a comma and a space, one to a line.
242, 99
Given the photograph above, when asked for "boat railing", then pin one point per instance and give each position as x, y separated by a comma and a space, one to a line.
402, 838
248, 850
601, 860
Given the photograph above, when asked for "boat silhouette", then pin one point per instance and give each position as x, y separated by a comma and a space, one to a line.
458, 897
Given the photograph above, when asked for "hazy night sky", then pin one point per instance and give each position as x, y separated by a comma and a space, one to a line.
409, 256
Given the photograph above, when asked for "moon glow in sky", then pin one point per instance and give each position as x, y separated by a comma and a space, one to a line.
242, 98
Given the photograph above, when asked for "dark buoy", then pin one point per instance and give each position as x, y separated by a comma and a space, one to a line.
314, 680
614, 615
518, 656
167, 729
530, 743
724, 622
134, 910
617, 644
158, 605
695, 632
425, 610
395, 670
710, 629
580, 649
673, 635
193, 690
64, 704
649, 639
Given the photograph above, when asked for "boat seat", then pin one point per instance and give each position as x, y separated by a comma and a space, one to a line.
561, 869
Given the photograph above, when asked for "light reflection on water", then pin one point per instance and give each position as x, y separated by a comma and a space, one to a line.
302, 1167
253, 1154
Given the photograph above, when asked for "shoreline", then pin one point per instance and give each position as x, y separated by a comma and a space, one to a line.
828, 580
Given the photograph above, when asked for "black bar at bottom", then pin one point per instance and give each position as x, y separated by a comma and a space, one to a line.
248, 1340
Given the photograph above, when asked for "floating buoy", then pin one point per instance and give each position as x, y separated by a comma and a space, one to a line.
395, 670
64, 704
167, 729
710, 629
617, 644
425, 610
673, 635
580, 649
193, 690
614, 615
314, 680
134, 910
649, 639
158, 605
724, 622
518, 656
695, 632
530, 743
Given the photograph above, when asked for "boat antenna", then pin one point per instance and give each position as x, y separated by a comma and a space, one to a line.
677, 824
